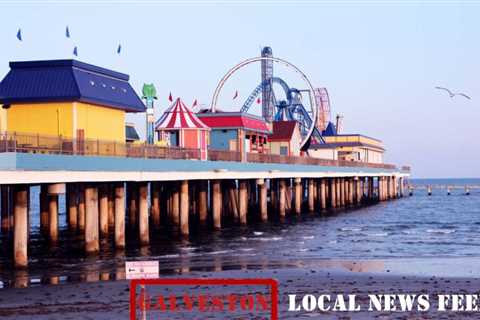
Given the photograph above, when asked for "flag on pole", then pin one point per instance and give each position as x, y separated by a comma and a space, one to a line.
119, 49
194, 103
235, 95
67, 32
259, 100
19, 34
75, 51
170, 98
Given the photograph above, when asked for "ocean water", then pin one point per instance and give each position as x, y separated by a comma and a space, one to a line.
435, 227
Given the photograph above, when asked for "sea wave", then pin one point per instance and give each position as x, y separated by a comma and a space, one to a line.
380, 234
269, 238
440, 231
188, 248
218, 252
168, 256
349, 229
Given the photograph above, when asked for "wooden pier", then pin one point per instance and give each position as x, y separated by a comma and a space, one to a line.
105, 195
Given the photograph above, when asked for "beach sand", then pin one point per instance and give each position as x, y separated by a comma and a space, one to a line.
110, 299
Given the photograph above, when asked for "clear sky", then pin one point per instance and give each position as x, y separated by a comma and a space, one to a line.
379, 61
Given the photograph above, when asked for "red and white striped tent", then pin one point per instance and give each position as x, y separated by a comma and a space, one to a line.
182, 128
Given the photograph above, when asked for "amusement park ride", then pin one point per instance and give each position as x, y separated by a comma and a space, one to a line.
312, 116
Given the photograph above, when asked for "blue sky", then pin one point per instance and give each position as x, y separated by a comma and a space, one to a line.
380, 62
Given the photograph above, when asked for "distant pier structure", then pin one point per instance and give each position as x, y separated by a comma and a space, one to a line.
80, 150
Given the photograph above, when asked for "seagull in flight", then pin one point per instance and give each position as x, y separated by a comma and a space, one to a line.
453, 94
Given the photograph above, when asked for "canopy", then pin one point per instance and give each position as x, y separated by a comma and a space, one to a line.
178, 116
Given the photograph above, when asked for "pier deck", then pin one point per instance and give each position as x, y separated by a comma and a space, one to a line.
107, 192
50, 168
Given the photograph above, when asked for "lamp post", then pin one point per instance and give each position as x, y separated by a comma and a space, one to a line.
149, 93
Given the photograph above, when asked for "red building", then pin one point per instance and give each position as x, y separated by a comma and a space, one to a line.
180, 127
236, 131
285, 139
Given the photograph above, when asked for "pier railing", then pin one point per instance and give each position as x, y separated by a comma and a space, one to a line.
274, 158
43, 144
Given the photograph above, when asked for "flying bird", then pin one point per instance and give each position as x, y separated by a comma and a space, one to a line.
453, 94
119, 49
19, 34
67, 32
75, 51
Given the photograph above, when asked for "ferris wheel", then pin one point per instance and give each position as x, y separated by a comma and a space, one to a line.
292, 107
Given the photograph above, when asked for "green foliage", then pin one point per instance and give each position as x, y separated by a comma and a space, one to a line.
149, 92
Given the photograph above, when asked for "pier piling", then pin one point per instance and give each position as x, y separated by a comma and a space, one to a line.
111, 205
333, 193
175, 200
282, 201
298, 195
20, 232
184, 208
120, 215
81, 207
155, 203
72, 206
216, 204
243, 200
44, 208
143, 223
262, 185
92, 244
322, 194
53, 217
103, 209
311, 195
5, 219
203, 201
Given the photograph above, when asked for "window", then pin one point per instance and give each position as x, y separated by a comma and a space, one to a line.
284, 151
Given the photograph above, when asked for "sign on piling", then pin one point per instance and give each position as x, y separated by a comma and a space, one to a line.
141, 270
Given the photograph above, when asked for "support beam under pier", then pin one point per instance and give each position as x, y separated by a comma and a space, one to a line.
184, 208
216, 204
298, 195
92, 244
143, 225
120, 215
20, 229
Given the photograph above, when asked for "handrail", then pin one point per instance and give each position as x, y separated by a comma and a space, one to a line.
44, 144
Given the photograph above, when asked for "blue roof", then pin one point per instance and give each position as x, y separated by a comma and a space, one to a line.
68, 80
330, 130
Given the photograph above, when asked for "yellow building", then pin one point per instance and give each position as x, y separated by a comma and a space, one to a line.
349, 147
357, 147
66, 98
3, 119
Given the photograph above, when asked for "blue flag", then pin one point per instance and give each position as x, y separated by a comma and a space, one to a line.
119, 49
67, 32
19, 34
75, 51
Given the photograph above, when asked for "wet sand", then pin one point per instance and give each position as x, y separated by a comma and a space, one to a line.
110, 299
